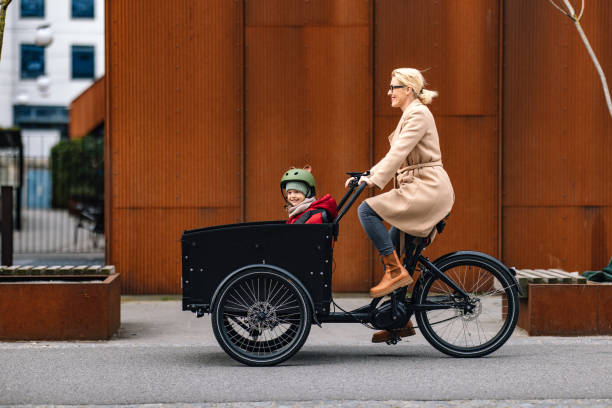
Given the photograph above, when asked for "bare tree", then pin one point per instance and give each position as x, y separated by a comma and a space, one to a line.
571, 13
3, 6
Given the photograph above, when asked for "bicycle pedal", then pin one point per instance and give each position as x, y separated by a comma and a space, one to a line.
393, 341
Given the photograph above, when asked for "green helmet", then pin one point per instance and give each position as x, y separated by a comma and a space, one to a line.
299, 175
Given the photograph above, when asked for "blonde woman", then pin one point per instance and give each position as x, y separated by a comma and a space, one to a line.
423, 194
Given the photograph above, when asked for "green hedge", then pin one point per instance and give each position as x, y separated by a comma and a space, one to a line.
77, 169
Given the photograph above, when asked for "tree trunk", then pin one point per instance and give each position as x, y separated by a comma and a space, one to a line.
3, 6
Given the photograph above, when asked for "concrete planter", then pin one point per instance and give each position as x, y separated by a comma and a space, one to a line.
84, 305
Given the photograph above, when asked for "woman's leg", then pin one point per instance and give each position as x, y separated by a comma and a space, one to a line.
395, 275
394, 234
373, 226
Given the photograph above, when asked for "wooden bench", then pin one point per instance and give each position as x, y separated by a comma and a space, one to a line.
558, 303
527, 276
59, 302
56, 271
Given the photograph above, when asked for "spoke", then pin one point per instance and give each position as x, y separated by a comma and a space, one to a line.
278, 286
241, 298
251, 289
281, 297
240, 302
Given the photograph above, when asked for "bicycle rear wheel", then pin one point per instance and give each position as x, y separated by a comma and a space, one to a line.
482, 324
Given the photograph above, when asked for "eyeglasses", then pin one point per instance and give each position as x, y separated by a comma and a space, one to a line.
392, 87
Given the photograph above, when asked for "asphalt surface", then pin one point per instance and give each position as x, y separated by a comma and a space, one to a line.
164, 356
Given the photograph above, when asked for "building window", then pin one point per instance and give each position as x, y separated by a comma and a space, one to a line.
32, 61
82, 8
82, 61
32, 8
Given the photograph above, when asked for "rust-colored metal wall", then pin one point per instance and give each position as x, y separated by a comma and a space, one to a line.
87, 110
308, 99
457, 44
175, 134
209, 102
557, 195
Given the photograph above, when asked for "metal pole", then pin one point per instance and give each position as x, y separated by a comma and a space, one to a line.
7, 225
19, 187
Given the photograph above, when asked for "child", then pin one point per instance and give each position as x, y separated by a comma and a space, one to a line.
302, 205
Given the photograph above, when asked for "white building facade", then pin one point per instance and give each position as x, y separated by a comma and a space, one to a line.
69, 65
39, 81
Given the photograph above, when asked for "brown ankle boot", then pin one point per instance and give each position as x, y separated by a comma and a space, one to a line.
385, 335
396, 276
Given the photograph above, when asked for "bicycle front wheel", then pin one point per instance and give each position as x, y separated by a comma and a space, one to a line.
261, 317
475, 327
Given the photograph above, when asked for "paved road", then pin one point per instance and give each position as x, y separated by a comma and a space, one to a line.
162, 355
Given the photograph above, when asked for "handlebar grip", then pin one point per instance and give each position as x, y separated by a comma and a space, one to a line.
361, 187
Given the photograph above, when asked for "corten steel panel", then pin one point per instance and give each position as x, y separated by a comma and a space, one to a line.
308, 100
456, 42
87, 110
562, 310
308, 12
60, 311
176, 103
174, 125
604, 309
148, 250
556, 123
556, 137
569, 238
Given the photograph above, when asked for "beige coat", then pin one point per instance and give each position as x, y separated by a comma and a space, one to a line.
425, 194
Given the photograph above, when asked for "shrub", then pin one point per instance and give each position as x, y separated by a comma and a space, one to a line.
77, 169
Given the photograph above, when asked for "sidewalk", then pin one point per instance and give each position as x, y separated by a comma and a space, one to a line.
159, 320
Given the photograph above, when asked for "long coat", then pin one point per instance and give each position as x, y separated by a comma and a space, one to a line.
423, 194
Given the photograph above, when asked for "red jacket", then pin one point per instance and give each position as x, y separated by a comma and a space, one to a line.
314, 213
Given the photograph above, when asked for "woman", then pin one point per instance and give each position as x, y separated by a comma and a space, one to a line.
423, 194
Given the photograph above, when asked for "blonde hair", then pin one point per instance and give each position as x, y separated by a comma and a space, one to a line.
413, 78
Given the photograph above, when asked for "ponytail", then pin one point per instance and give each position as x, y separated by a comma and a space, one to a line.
426, 96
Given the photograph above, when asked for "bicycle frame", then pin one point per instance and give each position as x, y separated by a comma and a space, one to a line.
363, 314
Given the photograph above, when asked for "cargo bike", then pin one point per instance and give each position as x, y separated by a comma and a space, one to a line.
266, 283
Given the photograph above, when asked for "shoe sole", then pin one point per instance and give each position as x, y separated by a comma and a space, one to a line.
402, 335
399, 284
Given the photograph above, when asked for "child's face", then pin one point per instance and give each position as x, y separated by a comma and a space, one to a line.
295, 197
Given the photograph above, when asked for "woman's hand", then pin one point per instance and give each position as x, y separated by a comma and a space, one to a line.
362, 179
365, 179
347, 182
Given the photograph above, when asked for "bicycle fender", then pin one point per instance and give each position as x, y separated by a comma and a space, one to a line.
281, 271
511, 271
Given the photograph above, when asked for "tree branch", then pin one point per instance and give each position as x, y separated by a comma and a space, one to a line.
571, 13
581, 10
560, 9
3, 6
602, 77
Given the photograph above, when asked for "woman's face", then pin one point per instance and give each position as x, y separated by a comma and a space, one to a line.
295, 197
400, 97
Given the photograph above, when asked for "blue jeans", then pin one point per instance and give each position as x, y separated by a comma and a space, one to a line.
384, 241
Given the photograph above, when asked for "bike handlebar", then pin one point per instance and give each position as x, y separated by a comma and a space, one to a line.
352, 185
